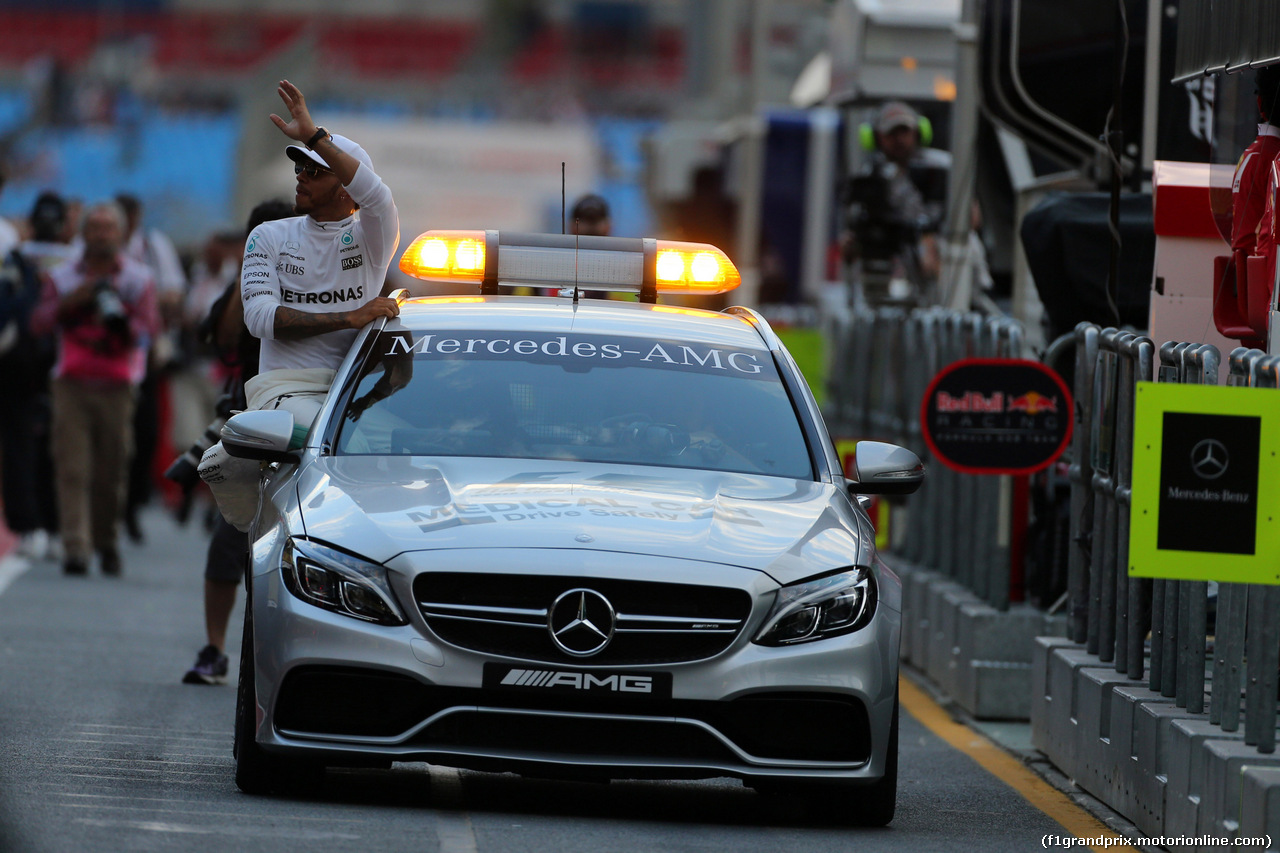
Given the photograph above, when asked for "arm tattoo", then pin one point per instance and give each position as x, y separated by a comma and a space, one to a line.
292, 324
329, 148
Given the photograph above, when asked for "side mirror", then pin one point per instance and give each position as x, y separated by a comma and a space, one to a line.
263, 435
885, 469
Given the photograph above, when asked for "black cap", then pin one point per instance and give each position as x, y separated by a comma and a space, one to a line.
1267, 84
48, 217
590, 208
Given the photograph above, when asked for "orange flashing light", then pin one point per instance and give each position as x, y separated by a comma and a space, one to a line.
446, 256
694, 268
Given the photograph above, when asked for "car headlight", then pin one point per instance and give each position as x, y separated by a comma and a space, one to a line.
340, 582
823, 607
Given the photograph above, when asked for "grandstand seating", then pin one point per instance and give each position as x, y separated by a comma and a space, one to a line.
225, 43
552, 52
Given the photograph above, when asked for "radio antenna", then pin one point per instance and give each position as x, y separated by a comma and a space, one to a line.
562, 208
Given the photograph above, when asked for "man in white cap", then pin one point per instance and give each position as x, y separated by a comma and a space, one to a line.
910, 183
914, 168
897, 130
308, 284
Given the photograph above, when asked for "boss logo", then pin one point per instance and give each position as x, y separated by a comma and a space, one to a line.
352, 262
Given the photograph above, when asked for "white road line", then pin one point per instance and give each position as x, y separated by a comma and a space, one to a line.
196, 733
175, 738
103, 778
165, 761
91, 767
211, 814
146, 761
248, 829
152, 825
11, 567
156, 771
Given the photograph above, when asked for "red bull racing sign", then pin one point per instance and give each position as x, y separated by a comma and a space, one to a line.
997, 416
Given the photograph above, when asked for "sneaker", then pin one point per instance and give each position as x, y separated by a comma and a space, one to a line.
210, 668
110, 563
34, 545
132, 528
74, 566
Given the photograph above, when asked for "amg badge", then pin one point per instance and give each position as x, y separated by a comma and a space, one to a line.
647, 684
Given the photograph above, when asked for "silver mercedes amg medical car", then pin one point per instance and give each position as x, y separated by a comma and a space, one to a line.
559, 536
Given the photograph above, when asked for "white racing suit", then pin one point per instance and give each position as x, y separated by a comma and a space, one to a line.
234, 481
313, 267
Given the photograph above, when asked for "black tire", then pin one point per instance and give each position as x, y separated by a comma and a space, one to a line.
875, 805
258, 771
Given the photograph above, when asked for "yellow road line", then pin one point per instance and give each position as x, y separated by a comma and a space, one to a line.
1000, 764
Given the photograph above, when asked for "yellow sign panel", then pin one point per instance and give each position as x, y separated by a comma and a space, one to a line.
1206, 484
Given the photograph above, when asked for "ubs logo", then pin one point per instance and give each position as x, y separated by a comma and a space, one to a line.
1209, 459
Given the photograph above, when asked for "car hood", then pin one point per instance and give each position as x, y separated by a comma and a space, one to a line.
383, 506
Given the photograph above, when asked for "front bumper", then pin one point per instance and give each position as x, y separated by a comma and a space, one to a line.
346, 692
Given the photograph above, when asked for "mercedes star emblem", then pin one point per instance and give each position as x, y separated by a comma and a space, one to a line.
581, 622
1209, 459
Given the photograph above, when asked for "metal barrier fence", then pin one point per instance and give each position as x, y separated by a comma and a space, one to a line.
882, 365
1112, 613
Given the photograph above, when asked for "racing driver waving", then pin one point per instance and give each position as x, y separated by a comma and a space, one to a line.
308, 284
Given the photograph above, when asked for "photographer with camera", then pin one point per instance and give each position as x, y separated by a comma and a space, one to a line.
894, 208
103, 307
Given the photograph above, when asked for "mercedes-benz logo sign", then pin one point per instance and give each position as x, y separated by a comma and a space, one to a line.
1209, 459
581, 622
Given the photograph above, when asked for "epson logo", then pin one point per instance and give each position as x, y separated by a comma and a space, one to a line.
578, 680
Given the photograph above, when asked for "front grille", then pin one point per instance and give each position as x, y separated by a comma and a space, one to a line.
657, 623
784, 726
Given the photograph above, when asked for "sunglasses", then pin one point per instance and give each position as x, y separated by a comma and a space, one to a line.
312, 170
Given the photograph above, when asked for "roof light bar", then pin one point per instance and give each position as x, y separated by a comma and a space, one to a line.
643, 266
454, 256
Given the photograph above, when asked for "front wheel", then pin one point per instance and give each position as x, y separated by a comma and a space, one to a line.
875, 805
258, 771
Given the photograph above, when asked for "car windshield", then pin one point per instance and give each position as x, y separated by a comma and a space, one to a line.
575, 397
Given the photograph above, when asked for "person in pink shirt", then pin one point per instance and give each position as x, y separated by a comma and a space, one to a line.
103, 307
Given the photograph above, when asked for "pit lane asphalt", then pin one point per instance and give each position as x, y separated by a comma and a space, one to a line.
104, 749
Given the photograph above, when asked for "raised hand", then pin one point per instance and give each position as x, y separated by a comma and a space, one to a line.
301, 127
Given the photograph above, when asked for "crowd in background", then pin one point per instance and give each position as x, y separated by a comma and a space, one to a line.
170, 371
